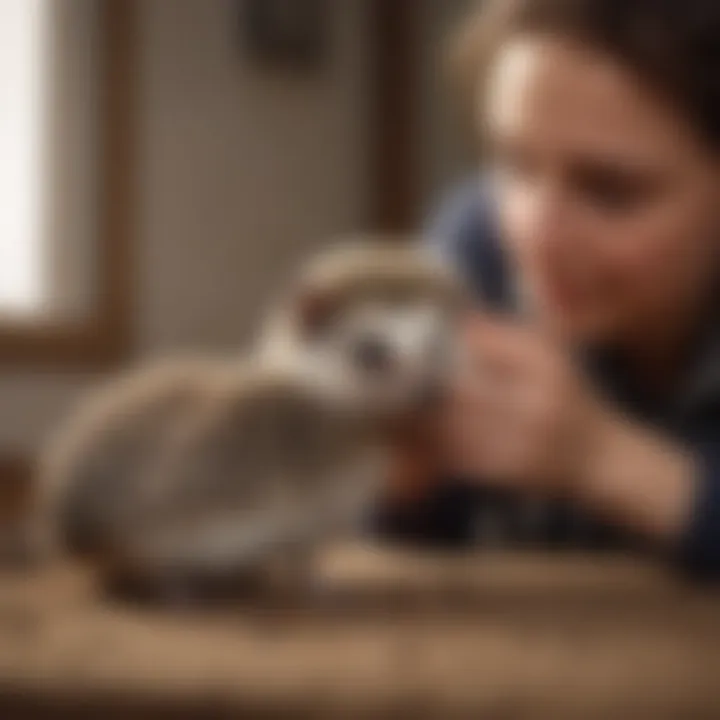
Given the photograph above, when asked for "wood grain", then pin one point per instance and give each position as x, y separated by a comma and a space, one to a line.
496, 636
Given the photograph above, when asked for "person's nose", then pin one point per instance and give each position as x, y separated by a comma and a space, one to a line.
545, 220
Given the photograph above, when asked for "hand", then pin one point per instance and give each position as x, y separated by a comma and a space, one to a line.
522, 415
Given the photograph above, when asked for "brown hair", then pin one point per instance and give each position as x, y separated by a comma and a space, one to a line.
672, 45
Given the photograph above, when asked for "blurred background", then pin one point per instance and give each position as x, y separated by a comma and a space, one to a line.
166, 163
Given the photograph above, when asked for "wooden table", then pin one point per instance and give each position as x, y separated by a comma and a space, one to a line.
486, 636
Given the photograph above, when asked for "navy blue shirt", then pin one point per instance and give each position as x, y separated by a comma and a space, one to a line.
462, 514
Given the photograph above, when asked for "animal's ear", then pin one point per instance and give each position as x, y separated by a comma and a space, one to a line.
315, 308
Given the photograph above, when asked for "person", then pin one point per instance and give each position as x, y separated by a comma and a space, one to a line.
586, 412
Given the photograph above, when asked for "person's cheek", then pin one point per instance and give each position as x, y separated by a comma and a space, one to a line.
552, 244
677, 257
520, 220
654, 257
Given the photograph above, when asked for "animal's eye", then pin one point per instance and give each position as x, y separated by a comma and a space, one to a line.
371, 354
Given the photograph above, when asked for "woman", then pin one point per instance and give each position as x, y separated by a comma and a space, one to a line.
598, 226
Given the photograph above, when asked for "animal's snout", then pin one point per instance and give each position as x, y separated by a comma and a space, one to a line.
373, 355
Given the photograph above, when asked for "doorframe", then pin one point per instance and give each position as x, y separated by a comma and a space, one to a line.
395, 172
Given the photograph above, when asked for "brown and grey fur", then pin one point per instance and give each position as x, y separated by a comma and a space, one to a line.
195, 470
203, 467
97, 468
268, 470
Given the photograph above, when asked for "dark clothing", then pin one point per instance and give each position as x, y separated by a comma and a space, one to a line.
459, 513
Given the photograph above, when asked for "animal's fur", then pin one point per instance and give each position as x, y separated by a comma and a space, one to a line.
269, 466
98, 466
210, 466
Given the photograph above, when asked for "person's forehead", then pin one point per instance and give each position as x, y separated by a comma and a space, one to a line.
568, 96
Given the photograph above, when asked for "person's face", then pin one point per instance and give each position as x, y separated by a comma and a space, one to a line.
608, 200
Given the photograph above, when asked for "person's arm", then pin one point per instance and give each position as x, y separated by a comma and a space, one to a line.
639, 479
524, 416
658, 487
699, 544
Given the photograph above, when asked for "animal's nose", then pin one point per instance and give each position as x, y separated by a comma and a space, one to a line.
372, 355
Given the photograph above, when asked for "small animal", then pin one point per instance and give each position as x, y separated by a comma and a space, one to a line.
293, 455
267, 470
202, 469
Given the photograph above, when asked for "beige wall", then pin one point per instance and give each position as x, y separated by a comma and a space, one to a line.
445, 155
241, 173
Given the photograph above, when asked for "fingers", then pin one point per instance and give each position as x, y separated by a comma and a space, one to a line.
491, 343
487, 446
501, 398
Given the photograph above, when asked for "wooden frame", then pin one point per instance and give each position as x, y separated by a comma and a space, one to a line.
107, 337
394, 192
394, 173
15, 489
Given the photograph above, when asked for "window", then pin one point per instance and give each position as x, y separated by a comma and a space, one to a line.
23, 76
65, 110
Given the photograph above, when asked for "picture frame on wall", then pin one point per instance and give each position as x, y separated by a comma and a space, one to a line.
293, 34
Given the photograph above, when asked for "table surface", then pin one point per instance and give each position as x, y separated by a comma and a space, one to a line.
490, 635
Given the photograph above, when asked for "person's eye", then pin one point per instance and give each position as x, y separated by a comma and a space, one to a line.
613, 190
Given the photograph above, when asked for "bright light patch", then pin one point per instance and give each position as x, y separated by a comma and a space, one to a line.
23, 36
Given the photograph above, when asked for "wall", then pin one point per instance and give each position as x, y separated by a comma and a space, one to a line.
240, 174
445, 155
